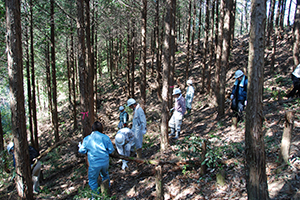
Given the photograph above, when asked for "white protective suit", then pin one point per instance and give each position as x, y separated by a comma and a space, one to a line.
189, 96
129, 142
139, 124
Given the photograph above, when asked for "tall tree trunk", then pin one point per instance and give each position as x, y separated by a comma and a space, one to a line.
270, 21
205, 45
256, 178
165, 77
128, 58
1, 136
68, 71
232, 23
15, 73
187, 65
211, 48
273, 57
193, 32
53, 68
296, 35
143, 64
283, 5
35, 128
72, 69
199, 27
158, 52
83, 71
48, 78
90, 65
219, 54
132, 57
289, 13
225, 55
26, 47
172, 51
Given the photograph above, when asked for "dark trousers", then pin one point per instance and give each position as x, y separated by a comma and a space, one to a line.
296, 89
238, 108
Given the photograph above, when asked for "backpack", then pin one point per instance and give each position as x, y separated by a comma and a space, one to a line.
33, 153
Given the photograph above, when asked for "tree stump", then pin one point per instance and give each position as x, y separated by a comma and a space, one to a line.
286, 136
105, 187
159, 183
234, 123
203, 153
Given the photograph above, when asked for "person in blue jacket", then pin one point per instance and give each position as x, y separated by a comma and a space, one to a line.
98, 146
239, 94
124, 117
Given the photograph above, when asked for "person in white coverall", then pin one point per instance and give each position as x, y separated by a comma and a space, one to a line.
296, 83
98, 146
124, 140
138, 125
179, 110
189, 96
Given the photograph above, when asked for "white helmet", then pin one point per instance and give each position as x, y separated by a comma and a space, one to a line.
130, 102
176, 91
10, 147
121, 108
238, 74
189, 82
120, 139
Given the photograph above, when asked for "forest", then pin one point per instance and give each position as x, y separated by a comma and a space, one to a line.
66, 64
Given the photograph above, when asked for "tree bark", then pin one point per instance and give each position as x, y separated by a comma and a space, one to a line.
15, 73
90, 66
205, 44
143, 64
165, 77
187, 65
270, 21
73, 83
286, 137
132, 52
297, 35
83, 71
225, 56
199, 27
158, 52
256, 178
53, 69
34, 117
159, 183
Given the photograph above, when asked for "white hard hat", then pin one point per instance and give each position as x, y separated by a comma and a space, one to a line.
10, 147
130, 102
120, 139
176, 91
121, 108
189, 82
238, 74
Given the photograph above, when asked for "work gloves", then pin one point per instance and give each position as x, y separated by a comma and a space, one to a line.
245, 103
124, 165
171, 110
231, 96
79, 144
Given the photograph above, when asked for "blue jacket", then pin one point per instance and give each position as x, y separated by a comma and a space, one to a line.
242, 93
98, 147
124, 117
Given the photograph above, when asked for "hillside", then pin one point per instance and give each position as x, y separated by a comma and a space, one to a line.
65, 174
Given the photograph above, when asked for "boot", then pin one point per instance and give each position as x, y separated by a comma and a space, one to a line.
139, 153
177, 135
35, 181
172, 132
234, 123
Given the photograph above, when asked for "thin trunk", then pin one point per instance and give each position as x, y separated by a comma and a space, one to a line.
187, 65
199, 27
219, 54
68, 71
132, 57
128, 59
27, 63
15, 73
205, 45
73, 75
48, 78
165, 77
54, 92
283, 5
256, 178
211, 48
143, 64
289, 13
158, 52
273, 57
270, 21
193, 33
297, 35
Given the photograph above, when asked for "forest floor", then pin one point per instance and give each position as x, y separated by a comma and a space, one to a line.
65, 173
